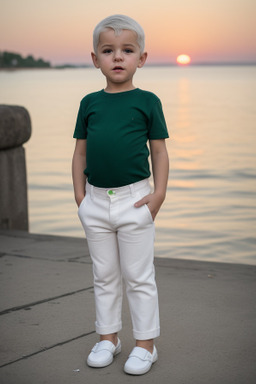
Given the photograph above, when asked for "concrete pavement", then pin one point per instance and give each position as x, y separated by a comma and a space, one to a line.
208, 318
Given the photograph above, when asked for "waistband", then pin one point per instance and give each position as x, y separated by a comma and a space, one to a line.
127, 190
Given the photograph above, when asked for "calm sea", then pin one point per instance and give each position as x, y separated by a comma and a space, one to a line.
210, 209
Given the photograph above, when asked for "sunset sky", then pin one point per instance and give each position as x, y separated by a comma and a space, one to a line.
60, 31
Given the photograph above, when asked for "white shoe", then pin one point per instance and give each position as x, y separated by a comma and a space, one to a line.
140, 361
103, 353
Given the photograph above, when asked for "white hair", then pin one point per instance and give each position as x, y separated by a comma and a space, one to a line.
118, 23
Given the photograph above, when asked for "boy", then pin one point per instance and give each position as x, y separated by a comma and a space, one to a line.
116, 207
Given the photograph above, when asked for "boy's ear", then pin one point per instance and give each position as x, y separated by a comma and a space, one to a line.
142, 60
95, 60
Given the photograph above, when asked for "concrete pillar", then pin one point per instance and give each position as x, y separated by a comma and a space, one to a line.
15, 129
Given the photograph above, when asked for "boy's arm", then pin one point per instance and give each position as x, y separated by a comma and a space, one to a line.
78, 167
160, 168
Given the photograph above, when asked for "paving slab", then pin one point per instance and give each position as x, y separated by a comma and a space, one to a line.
44, 246
38, 327
25, 281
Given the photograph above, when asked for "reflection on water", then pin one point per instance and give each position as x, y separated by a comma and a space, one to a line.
210, 209
183, 118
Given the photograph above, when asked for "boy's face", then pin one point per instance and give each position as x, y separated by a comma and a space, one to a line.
118, 57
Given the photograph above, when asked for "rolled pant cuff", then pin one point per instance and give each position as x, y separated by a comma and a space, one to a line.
146, 335
107, 330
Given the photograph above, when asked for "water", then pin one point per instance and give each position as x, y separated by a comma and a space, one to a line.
210, 209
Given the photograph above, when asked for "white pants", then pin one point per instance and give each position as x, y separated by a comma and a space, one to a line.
121, 244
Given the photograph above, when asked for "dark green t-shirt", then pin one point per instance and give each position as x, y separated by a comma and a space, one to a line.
117, 127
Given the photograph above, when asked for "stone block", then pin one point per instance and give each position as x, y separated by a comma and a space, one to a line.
15, 129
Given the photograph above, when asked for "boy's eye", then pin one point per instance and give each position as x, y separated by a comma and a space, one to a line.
128, 50
108, 50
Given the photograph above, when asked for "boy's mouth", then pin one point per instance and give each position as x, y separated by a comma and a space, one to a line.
118, 68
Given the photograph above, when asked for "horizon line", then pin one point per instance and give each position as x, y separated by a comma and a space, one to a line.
164, 64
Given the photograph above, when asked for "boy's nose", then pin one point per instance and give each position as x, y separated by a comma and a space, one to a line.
118, 56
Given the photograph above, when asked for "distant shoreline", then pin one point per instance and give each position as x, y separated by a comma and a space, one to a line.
13, 61
84, 66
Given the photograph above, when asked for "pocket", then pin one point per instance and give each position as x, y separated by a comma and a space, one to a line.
81, 204
148, 212
144, 208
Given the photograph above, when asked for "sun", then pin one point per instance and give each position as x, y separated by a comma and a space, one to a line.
183, 59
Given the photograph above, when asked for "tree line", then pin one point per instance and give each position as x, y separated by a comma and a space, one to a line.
15, 60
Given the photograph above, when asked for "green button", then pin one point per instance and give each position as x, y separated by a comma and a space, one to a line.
110, 192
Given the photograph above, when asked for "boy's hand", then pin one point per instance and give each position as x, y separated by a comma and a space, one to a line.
79, 199
153, 201
78, 166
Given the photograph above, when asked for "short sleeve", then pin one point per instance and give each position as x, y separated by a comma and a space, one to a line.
81, 125
157, 124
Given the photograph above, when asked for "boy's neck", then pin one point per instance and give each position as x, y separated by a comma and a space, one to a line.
117, 88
